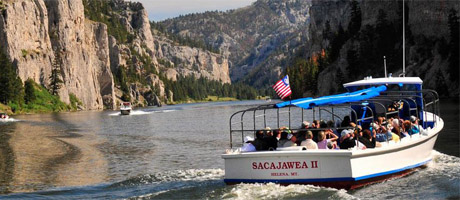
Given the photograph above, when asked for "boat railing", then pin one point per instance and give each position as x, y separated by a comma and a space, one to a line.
239, 122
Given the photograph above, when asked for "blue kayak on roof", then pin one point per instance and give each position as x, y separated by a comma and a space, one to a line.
359, 95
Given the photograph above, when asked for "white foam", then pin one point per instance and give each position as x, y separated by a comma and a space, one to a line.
141, 112
276, 191
181, 175
9, 120
444, 164
164, 111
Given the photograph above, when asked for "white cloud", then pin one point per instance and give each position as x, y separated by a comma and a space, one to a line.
162, 9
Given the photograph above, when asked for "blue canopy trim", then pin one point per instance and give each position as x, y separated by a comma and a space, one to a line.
359, 95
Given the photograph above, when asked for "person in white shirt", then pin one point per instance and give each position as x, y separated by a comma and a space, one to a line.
247, 146
309, 143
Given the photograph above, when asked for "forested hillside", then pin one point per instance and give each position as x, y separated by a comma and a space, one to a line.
319, 41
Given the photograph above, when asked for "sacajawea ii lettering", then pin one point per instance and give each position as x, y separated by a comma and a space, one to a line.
284, 165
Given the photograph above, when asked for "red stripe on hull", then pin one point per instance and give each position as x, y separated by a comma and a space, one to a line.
350, 185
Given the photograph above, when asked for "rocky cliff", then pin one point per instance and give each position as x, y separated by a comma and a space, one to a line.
149, 54
33, 32
92, 48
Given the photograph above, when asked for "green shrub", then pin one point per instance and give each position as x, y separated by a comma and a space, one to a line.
74, 101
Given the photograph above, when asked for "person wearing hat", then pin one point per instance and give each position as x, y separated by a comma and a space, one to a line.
248, 146
347, 139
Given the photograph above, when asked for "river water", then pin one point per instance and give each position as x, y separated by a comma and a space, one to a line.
173, 152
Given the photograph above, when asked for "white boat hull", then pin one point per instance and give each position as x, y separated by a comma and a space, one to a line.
332, 168
125, 112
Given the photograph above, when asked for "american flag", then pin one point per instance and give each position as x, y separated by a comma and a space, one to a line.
282, 87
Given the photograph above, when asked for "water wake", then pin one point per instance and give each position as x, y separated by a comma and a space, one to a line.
174, 176
276, 191
9, 120
141, 112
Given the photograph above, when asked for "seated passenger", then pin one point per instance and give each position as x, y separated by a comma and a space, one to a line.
367, 139
259, 142
406, 126
248, 146
309, 143
345, 123
285, 141
383, 135
330, 126
395, 127
322, 144
414, 122
347, 139
270, 139
301, 134
332, 145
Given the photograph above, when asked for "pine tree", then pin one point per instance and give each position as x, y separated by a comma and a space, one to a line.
11, 88
355, 21
29, 91
55, 77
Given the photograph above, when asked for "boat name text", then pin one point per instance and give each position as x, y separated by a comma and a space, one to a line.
285, 165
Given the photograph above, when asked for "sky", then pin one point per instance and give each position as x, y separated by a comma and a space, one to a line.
159, 10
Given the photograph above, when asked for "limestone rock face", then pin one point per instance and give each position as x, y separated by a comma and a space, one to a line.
188, 61
24, 38
35, 31
84, 44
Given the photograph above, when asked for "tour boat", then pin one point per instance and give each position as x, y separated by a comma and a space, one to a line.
125, 108
365, 101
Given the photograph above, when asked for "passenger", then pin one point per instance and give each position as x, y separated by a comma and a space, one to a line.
330, 125
345, 123
248, 146
270, 139
396, 129
301, 134
347, 139
305, 125
309, 143
414, 122
277, 134
406, 128
316, 123
380, 120
383, 135
293, 138
322, 144
259, 142
367, 139
332, 145
285, 141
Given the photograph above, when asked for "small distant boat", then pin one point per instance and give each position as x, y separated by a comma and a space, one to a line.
4, 116
125, 108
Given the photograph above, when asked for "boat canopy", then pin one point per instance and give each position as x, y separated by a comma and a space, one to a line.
359, 95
